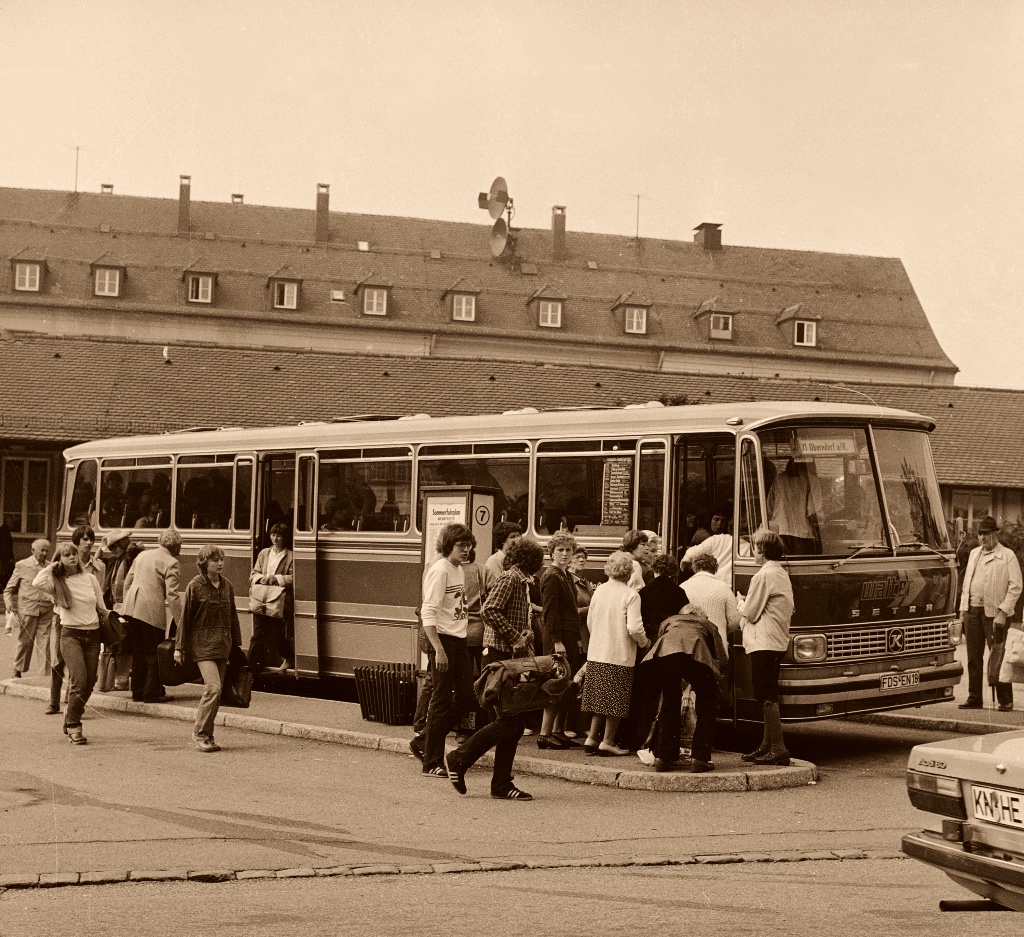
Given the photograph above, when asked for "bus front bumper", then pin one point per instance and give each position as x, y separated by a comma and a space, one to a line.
809, 697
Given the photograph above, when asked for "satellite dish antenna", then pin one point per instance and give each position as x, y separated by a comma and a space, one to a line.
497, 201
497, 198
499, 237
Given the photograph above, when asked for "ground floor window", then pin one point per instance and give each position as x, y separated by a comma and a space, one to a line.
24, 486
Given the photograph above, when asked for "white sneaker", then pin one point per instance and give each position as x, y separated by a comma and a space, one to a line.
646, 756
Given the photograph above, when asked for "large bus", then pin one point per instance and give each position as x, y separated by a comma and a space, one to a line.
851, 489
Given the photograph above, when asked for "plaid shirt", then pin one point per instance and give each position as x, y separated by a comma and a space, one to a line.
506, 612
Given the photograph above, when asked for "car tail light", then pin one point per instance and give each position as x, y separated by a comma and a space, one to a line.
936, 794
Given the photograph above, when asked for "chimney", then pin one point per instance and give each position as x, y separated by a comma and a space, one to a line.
323, 217
184, 211
708, 236
558, 251
107, 188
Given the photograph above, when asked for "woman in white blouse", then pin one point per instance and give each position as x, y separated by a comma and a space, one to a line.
616, 629
78, 600
273, 568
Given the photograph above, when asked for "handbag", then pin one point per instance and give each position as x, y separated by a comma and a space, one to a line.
237, 688
112, 629
171, 672
1012, 669
523, 684
266, 600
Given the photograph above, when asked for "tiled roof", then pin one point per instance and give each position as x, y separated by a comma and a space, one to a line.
867, 306
77, 389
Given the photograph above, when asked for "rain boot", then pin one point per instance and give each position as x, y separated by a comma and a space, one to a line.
777, 754
762, 749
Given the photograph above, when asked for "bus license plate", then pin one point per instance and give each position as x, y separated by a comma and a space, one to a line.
1003, 807
900, 681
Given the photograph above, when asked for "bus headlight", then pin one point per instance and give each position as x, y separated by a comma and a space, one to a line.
809, 648
956, 632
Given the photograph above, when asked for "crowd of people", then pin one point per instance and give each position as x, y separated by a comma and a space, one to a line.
631, 643
98, 616
639, 619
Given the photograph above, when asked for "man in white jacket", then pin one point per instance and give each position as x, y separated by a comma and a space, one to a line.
992, 585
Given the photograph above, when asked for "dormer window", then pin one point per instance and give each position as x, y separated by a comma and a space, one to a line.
285, 294
107, 281
636, 320
200, 288
27, 277
375, 301
805, 333
550, 313
721, 325
463, 307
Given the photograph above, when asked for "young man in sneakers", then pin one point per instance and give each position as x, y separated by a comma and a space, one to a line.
445, 626
507, 634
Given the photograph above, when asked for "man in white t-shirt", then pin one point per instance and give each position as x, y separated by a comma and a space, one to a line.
720, 547
445, 626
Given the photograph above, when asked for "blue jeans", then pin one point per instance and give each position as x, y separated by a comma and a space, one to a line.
209, 702
451, 699
81, 652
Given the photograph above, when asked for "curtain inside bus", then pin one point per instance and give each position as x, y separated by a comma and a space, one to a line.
821, 491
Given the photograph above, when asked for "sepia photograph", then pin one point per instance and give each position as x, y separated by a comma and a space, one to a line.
558, 462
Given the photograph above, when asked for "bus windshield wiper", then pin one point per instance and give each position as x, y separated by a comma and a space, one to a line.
859, 551
917, 545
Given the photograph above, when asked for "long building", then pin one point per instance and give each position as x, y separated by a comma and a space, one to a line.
124, 314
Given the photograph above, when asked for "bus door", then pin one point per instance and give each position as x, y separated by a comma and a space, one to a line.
702, 487
307, 631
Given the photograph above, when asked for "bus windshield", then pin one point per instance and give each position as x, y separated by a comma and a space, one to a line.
911, 491
822, 491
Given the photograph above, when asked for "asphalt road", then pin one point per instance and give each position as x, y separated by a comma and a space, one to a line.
813, 898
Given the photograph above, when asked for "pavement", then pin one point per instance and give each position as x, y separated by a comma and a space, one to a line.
947, 717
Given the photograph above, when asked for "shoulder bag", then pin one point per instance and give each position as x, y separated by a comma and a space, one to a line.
237, 688
266, 600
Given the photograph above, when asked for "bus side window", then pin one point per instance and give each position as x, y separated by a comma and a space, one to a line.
203, 499
370, 496
243, 495
83, 495
750, 503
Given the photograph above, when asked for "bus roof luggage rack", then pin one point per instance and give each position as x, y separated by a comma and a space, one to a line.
198, 429
387, 693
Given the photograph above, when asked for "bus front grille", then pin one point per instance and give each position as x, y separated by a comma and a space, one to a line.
874, 642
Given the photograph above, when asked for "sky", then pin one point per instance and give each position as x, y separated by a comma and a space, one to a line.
890, 128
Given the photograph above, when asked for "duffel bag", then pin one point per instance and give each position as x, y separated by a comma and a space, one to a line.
523, 684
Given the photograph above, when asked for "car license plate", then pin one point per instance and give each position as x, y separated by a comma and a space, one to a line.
899, 681
1003, 807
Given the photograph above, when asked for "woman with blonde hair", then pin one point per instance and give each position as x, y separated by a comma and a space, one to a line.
616, 629
78, 600
207, 632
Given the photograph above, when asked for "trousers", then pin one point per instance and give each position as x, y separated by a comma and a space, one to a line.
145, 678
502, 734
981, 633
209, 703
81, 652
670, 672
34, 633
452, 697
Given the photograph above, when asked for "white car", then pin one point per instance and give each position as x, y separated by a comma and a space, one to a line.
972, 789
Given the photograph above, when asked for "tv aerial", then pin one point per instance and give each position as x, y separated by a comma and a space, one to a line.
497, 202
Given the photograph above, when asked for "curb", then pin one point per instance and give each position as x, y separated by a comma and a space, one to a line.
932, 723
208, 876
798, 774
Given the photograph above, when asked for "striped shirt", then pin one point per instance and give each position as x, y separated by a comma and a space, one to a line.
506, 611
